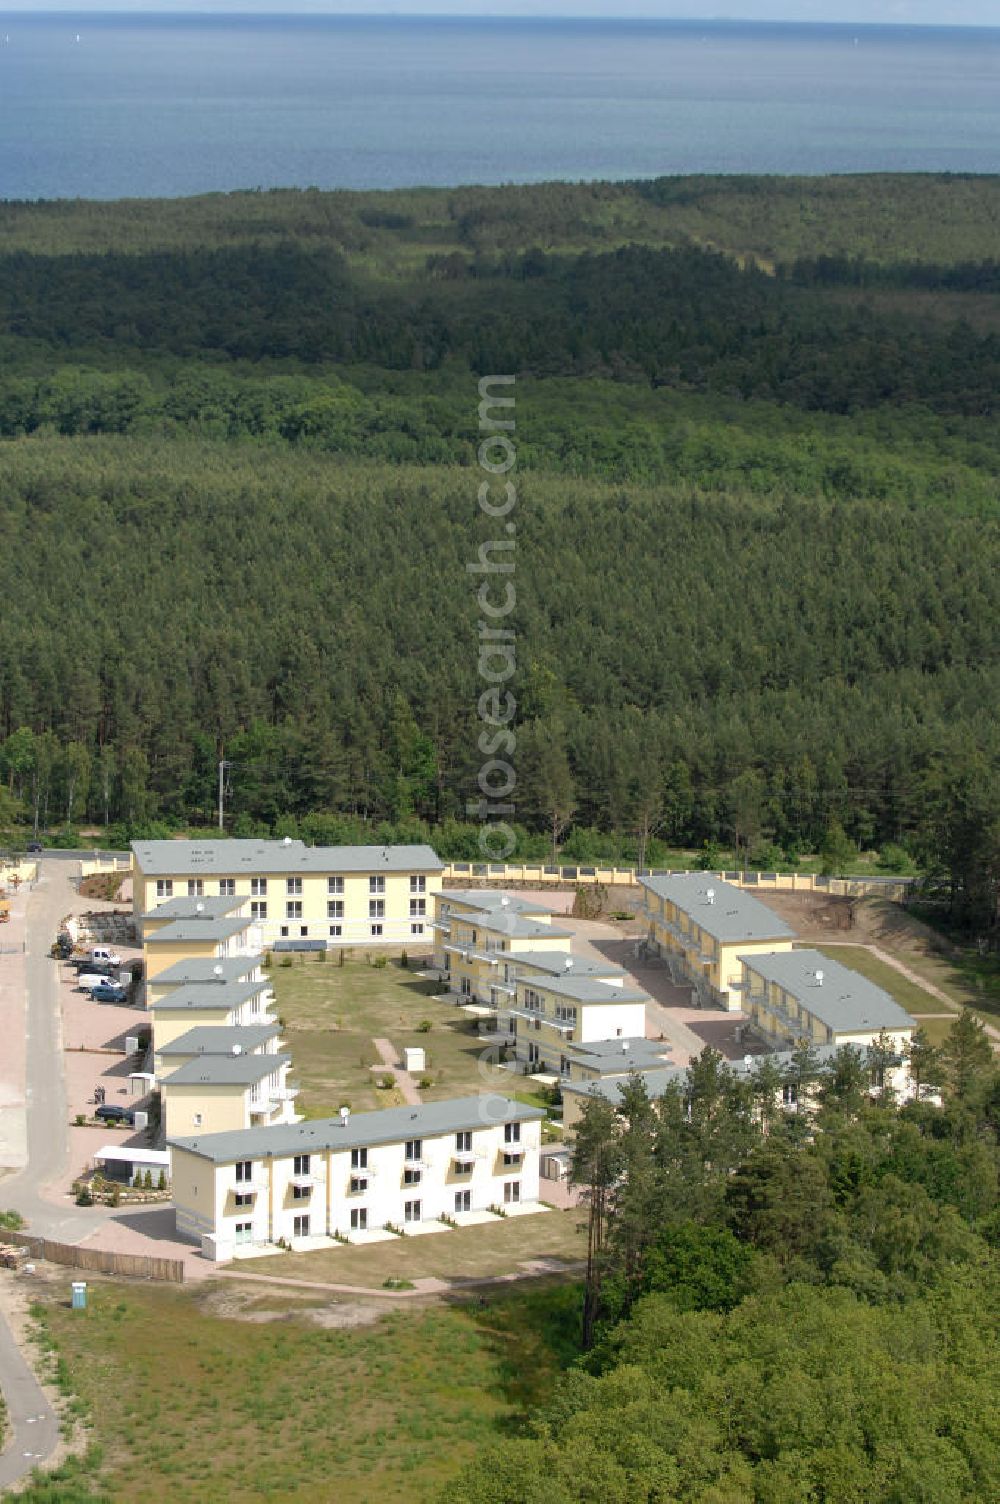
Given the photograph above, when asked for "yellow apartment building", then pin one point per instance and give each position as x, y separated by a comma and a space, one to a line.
197, 939
797, 995
217, 1039
228, 1005
476, 930
551, 1015
703, 926
298, 894
228, 1093
351, 1176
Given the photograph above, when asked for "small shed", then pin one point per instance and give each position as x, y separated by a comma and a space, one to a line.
414, 1058
121, 1161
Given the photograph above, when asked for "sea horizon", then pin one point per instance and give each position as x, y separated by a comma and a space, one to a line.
108, 104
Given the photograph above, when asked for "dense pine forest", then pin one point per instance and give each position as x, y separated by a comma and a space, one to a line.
778, 1311
757, 521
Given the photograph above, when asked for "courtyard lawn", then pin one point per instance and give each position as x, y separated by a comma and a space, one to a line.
500, 1246
193, 1406
908, 994
332, 1014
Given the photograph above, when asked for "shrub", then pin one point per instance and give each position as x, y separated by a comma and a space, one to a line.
147, 1181
286, 961
379, 962
115, 1193
404, 960
83, 1197
392, 1283
424, 1026
161, 1184
12, 1220
384, 1083
137, 1180
425, 1082
80, 1119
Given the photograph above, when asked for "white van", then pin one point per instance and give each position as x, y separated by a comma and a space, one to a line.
104, 955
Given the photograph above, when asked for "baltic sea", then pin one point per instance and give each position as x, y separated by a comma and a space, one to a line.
105, 106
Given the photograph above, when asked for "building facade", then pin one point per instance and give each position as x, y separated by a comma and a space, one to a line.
803, 995
334, 895
476, 931
702, 927
552, 1015
348, 1176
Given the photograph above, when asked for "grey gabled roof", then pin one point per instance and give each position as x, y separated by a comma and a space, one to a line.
845, 1001
485, 900
585, 989
517, 926
220, 1039
732, 915
207, 971
365, 1129
183, 931
252, 858
226, 1070
199, 996
553, 962
194, 908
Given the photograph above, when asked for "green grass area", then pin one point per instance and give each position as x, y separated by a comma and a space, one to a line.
489, 1248
908, 994
936, 1029
332, 1013
220, 1408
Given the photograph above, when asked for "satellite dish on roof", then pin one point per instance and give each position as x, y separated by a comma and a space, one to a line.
345, 1113
710, 894
568, 963
216, 971
819, 979
199, 908
504, 901
237, 1049
287, 841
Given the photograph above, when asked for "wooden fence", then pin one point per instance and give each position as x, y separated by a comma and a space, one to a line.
99, 1260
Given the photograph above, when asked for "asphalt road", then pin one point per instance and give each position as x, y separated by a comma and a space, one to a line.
35, 1425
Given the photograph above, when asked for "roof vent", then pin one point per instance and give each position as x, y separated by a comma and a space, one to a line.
345, 1113
710, 894
819, 979
287, 841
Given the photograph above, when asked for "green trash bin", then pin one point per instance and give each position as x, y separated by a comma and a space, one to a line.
79, 1295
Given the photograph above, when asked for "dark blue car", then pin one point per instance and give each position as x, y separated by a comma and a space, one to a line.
109, 992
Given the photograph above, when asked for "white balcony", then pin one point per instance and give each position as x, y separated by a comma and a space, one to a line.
303, 1182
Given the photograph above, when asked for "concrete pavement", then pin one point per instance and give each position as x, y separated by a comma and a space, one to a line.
33, 1422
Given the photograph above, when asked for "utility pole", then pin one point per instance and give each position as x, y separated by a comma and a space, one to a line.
223, 765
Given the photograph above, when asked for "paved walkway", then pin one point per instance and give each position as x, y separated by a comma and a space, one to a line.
430, 1285
405, 1083
34, 1423
952, 1008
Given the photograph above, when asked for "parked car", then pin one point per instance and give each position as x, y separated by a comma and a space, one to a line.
88, 980
103, 955
109, 992
33, 847
111, 1112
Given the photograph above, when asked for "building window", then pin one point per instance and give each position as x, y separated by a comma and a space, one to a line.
300, 1225
293, 908
411, 1211
244, 1171
418, 885
196, 888
359, 1218
243, 1198
304, 931
336, 930
790, 1094
164, 887
414, 1147
335, 909
359, 1183
411, 1177
511, 1161
376, 908
227, 887
335, 885
466, 986
258, 887
284, 931
376, 885
196, 1120
301, 1192
534, 1054
359, 1159
418, 908
293, 885
244, 1232
258, 910
376, 931
463, 1143
512, 1191
300, 1164
416, 929
463, 1201
564, 1066
512, 1133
